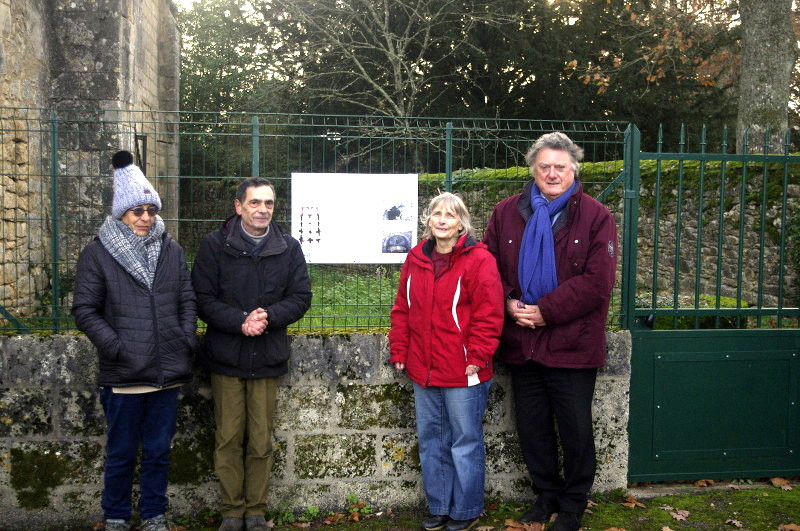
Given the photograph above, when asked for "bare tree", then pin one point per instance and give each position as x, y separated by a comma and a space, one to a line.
377, 55
769, 51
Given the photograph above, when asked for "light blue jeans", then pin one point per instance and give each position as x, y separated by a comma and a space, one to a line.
451, 450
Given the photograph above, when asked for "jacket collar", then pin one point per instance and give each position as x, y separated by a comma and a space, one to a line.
232, 231
464, 243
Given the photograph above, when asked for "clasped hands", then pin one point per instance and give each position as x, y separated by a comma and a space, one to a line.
525, 315
255, 323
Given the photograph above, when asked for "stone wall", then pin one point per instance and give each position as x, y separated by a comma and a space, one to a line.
729, 245
103, 67
345, 425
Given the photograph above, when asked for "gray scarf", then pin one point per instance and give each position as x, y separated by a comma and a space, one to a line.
138, 255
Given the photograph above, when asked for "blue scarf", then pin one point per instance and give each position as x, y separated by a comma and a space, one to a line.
537, 260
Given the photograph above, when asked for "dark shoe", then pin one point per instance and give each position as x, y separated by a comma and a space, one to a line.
461, 525
540, 512
435, 521
256, 523
568, 522
231, 523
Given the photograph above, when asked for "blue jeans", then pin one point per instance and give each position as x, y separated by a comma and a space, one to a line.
451, 450
147, 419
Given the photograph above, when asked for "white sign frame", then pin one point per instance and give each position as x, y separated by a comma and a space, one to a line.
355, 218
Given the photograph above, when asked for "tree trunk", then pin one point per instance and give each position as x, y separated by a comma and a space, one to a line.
769, 51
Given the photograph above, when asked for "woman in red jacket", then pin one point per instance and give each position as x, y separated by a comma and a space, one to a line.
446, 324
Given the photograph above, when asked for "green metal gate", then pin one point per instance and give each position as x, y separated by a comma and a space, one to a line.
710, 297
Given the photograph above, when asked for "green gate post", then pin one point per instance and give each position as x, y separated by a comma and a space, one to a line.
254, 154
54, 236
448, 161
630, 224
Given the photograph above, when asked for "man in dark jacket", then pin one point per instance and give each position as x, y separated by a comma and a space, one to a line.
251, 282
556, 251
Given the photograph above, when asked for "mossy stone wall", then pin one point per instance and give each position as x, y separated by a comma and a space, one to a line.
345, 425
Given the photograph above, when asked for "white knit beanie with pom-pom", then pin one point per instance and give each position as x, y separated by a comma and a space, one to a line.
131, 188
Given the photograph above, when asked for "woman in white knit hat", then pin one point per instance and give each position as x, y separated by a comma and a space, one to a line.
134, 300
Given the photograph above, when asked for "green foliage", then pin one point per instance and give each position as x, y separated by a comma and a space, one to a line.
756, 510
352, 297
793, 248
670, 300
310, 513
282, 516
647, 63
354, 505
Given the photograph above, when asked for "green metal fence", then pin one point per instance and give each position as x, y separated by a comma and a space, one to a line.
711, 300
713, 236
56, 182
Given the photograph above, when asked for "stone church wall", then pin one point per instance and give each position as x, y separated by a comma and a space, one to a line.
114, 62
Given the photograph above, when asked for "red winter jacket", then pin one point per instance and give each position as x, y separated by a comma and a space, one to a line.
576, 311
441, 326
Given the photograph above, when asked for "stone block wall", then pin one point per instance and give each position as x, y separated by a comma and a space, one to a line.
105, 66
345, 425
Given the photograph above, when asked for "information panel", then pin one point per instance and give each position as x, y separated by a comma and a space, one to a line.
354, 218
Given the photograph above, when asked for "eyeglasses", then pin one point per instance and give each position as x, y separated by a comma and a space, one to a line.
139, 211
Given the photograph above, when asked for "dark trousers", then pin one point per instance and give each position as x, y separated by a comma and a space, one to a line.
146, 419
548, 399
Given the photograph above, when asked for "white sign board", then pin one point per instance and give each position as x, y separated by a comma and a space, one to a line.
354, 218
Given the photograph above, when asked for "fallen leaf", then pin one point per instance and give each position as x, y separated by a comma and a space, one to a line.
704, 483
590, 503
734, 523
492, 507
98, 526
178, 528
484, 528
778, 482
680, 515
301, 524
355, 516
630, 501
734, 487
513, 524
665, 528
789, 527
786, 487
667, 508
615, 529
333, 518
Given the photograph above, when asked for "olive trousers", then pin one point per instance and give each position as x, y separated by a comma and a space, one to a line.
243, 414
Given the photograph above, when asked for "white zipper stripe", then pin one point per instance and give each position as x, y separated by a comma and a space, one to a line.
408, 291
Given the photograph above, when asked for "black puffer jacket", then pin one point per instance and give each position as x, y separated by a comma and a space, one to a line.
230, 283
143, 336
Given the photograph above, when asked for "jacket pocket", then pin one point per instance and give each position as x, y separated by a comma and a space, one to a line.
567, 337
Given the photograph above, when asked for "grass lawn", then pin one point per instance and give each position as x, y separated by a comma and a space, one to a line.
753, 508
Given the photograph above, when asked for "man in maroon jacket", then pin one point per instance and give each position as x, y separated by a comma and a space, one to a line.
556, 251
